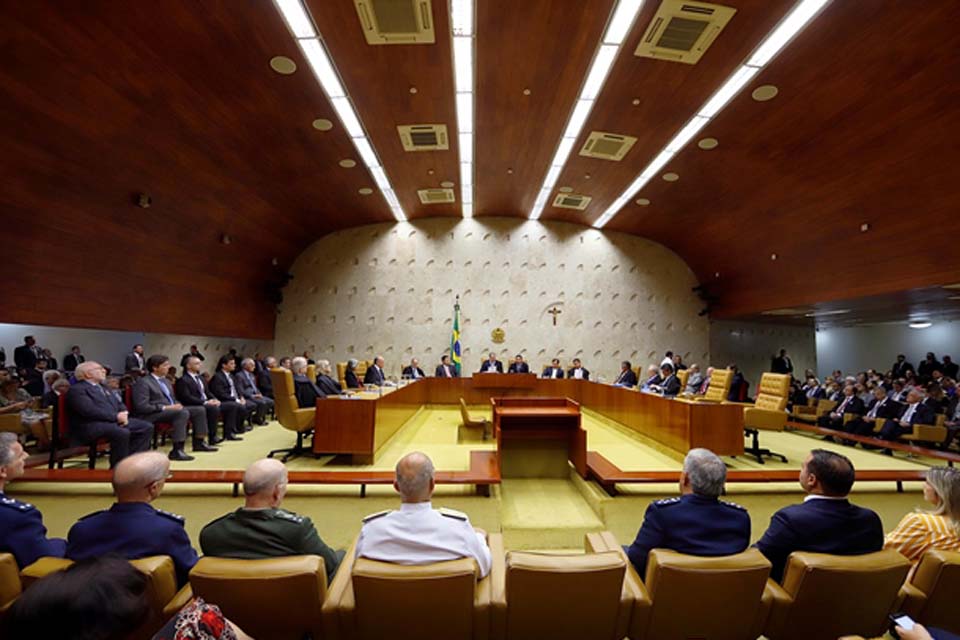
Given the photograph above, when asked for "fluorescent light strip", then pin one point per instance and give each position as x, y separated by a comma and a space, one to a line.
794, 22
301, 25
618, 26
461, 27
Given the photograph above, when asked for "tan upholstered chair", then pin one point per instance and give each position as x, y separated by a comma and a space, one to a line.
361, 369
933, 433
370, 600
719, 387
342, 374
805, 412
312, 372
932, 591
561, 596
9, 581
276, 598
471, 427
683, 375
767, 413
826, 596
289, 414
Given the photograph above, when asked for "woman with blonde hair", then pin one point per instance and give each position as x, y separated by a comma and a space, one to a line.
937, 528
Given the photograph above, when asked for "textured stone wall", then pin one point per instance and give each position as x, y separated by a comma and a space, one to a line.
751, 345
389, 289
175, 345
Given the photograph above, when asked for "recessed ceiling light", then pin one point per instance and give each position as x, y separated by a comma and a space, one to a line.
526, 92
716, 275
283, 65
636, 101
708, 143
509, 171
429, 172
446, 184
765, 92
322, 124
920, 324
671, 177
586, 176
275, 262
413, 89
865, 227
642, 202
225, 239
347, 163
565, 189
365, 191
773, 256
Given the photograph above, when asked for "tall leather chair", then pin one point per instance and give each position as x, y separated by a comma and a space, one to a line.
683, 375
9, 581
768, 413
276, 598
289, 414
312, 372
342, 374
719, 387
471, 426
827, 596
931, 594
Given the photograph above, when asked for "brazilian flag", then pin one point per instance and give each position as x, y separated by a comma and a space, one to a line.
455, 338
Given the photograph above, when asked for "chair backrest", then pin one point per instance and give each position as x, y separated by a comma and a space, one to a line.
563, 596
683, 375
727, 591
773, 392
435, 599
277, 598
835, 596
128, 398
285, 400
312, 371
719, 386
161, 587
825, 406
62, 422
9, 580
361, 369
938, 576
342, 374
464, 414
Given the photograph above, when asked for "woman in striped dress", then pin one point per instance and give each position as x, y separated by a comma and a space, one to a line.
938, 528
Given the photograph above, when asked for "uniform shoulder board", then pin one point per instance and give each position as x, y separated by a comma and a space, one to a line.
171, 516
733, 504
374, 516
290, 517
451, 513
13, 503
666, 501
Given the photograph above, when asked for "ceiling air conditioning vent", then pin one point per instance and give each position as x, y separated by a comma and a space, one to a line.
682, 30
571, 201
607, 146
423, 137
436, 196
396, 21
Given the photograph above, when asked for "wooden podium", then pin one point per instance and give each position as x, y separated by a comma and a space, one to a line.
537, 436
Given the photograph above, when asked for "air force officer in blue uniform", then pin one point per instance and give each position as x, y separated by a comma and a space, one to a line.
131, 527
698, 522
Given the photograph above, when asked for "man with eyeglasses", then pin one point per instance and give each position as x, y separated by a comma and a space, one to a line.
131, 527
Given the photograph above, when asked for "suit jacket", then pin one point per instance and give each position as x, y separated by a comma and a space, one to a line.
441, 374
548, 372
693, 382
626, 378
950, 370
490, 366
889, 410
264, 382
518, 367
328, 385
408, 372
24, 357
922, 415
50, 399
188, 391
670, 386
245, 387
220, 388
89, 404
584, 373
350, 377
374, 375
900, 370
52, 364
130, 363
148, 396
34, 382
781, 365
71, 361
855, 406
305, 391
821, 526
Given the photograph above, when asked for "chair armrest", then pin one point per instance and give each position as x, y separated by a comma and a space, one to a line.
490, 602
912, 600
338, 623
737, 403
929, 433
42, 568
764, 419
595, 542
780, 603
179, 601
633, 598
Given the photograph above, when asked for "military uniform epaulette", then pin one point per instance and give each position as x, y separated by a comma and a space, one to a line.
290, 517
666, 501
374, 516
733, 504
451, 513
171, 516
13, 503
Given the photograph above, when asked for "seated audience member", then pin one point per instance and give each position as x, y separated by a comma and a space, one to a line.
117, 386
50, 360
825, 522
153, 401
33, 378
834, 392
936, 399
812, 389
263, 376
738, 385
94, 413
653, 378
938, 528
350, 375
131, 527
928, 366
881, 408
261, 529
900, 367
304, 388
52, 397
205, 410
413, 371
106, 599
325, 382
706, 382
225, 390
577, 372
626, 377
554, 370
246, 381
286, 361
446, 369
72, 359
418, 534
491, 364
850, 404
694, 379
669, 384
172, 376
15, 399
134, 362
193, 353
49, 377
518, 365
698, 522
915, 412
21, 524
374, 374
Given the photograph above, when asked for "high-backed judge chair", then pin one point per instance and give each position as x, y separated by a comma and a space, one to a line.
767, 413
931, 594
289, 414
276, 598
10, 587
470, 427
370, 600
719, 387
933, 433
827, 596
312, 372
683, 375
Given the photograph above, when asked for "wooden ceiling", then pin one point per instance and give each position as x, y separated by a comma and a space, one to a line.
104, 100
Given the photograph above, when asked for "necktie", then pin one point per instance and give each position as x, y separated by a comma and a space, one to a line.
909, 413
253, 383
233, 390
203, 395
843, 404
166, 392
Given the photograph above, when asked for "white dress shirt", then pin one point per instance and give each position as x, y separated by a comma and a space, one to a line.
578, 373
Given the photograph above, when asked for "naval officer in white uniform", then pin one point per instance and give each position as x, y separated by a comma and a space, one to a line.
417, 533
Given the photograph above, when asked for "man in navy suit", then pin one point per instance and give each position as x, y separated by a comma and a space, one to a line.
825, 522
851, 404
225, 390
374, 374
194, 394
554, 370
881, 408
698, 522
518, 365
915, 412
669, 385
627, 377
446, 369
413, 370
94, 413
491, 364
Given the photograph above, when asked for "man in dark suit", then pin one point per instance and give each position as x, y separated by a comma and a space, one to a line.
325, 382
491, 364
781, 363
263, 376
72, 359
626, 378
413, 370
881, 408
577, 372
193, 353
915, 412
134, 363
33, 378
554, 370
825, 522
194, 394
26, 355
51, 361
445, 369
518, 365
305, 390
698, 522
670, 385
950, 368
246, 381
223, 388
900, 367
928, 366
93, 414
374, 374
850, 404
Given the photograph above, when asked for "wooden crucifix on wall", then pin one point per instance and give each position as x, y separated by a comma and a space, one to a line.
554, 312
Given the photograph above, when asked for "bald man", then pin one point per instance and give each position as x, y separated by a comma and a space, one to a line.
131, 527
261, 529
417, 533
